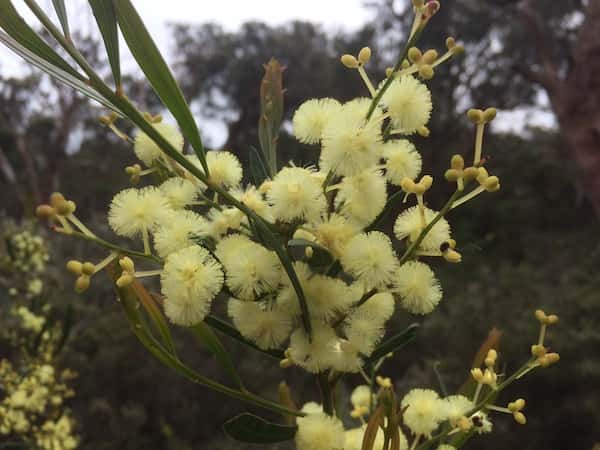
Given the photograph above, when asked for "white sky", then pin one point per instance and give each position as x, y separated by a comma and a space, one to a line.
332, 14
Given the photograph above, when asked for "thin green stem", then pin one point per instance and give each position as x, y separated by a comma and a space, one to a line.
115, 247
415, 244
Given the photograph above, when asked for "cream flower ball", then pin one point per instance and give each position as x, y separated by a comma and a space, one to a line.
350, 144
319, 432
148, 151
266, 327
418, 288
332, 232
254, 200
177, 230
190, 279
361, 396
224, 220
224, 168
370, 258
362, 197
325, 296
179, 192
424, 411
133, 210
408, 225
314, 355
311, 117
457, 406
409, 104
365, 325
354, 437
295, 194
250, 268
401, 160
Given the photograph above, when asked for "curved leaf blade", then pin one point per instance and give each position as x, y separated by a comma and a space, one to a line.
210, 340
394, 343
106, 19
61, 12
256, 430
155, 68
14, 25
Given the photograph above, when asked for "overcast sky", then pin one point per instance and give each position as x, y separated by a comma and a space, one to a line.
332, 14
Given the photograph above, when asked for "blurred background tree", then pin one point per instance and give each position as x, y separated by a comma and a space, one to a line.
533, 244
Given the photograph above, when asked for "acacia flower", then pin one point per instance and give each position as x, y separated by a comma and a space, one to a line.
418, 288
295, 194
265, 326
179, 192
148, 151
191, 278
424, 411
134, 211
224, 168
177, 230
362, 197
401, 160
409, 225
369, 257
311, 117
319, 431
409, 104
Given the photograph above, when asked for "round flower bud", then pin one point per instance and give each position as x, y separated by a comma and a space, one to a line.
414, 54
450, 43
126, 264
552, 319
349, 61
540, 315
475, 115
492, 184
56, 198
452, 175
489, 114
88, 268
423, 131
520, 418
364, 55
430, 56
124, 280
457, 162
82, 283
75, 267
45, 211
470, 173
426, 71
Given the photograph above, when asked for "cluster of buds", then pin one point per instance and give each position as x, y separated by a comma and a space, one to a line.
419, 188
354, 62
487, 182
544, 358
485, 377
481, 117
425, 10
134, 172
515, 409
423, 62
457, 173
84, 272
62, 211
128, 272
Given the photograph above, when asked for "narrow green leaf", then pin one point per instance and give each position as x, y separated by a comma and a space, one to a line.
155, 314
394, 343
258, 170
106, 19
61, 12
155, 68
229, 330
256, 430
17, 28
55, 72
210, 340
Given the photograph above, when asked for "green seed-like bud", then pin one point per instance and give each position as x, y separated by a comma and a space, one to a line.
82, 284
475, 115
430, 56
489, 114
56, 198
75, 267
45, 211
450, 43
349, 61
88, 268
426, 72
414, 54
364, 55
470, 173
457, 162
491, 184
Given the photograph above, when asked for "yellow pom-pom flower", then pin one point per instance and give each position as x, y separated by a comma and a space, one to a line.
224, 168
362, 197
409, 225
319, 431
177, 230
148, 151
266, 327
409, 104
191, 278
365, 325
134, 210
418, 288
401, 160
179, 192
424, 411
311, 117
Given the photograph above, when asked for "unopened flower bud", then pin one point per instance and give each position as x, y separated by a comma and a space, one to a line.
384, 382
482, 174
520, 418
548, 359
88, 268
126, 264
540, 315
452, 256
475, 115
464, 423
408, 185
457, 162
491, 184
477, 374
458, 49
538, 350
423, 131
364, 55
124, 280
470, 173
426, 71
388, 71
45, 212
450, 43
489, 114
426, 182
519, 404
452, 175
56, 198
308, 252
552, 319
349, 61
82, 283
430, 56
75, 267
414, 54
